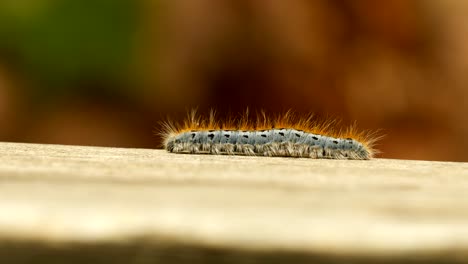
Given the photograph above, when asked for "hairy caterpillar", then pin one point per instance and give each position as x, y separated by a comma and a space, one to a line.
287, 135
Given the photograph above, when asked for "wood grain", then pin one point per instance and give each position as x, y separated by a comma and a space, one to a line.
67, 203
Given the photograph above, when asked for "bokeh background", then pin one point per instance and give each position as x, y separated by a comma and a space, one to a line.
105, 72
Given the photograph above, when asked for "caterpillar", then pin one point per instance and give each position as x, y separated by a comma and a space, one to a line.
286, 135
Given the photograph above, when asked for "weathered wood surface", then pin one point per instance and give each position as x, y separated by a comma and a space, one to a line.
115, 205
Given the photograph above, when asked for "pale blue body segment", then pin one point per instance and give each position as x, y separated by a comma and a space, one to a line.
271, 142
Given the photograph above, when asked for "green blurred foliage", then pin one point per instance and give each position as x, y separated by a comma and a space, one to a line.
61, 42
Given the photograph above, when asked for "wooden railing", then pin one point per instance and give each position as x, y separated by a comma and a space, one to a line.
75, 204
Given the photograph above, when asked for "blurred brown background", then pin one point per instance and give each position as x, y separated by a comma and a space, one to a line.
104, 72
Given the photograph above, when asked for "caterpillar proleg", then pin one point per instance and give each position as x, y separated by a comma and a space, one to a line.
287, 135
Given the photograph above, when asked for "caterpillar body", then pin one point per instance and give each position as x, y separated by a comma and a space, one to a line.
286, 135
